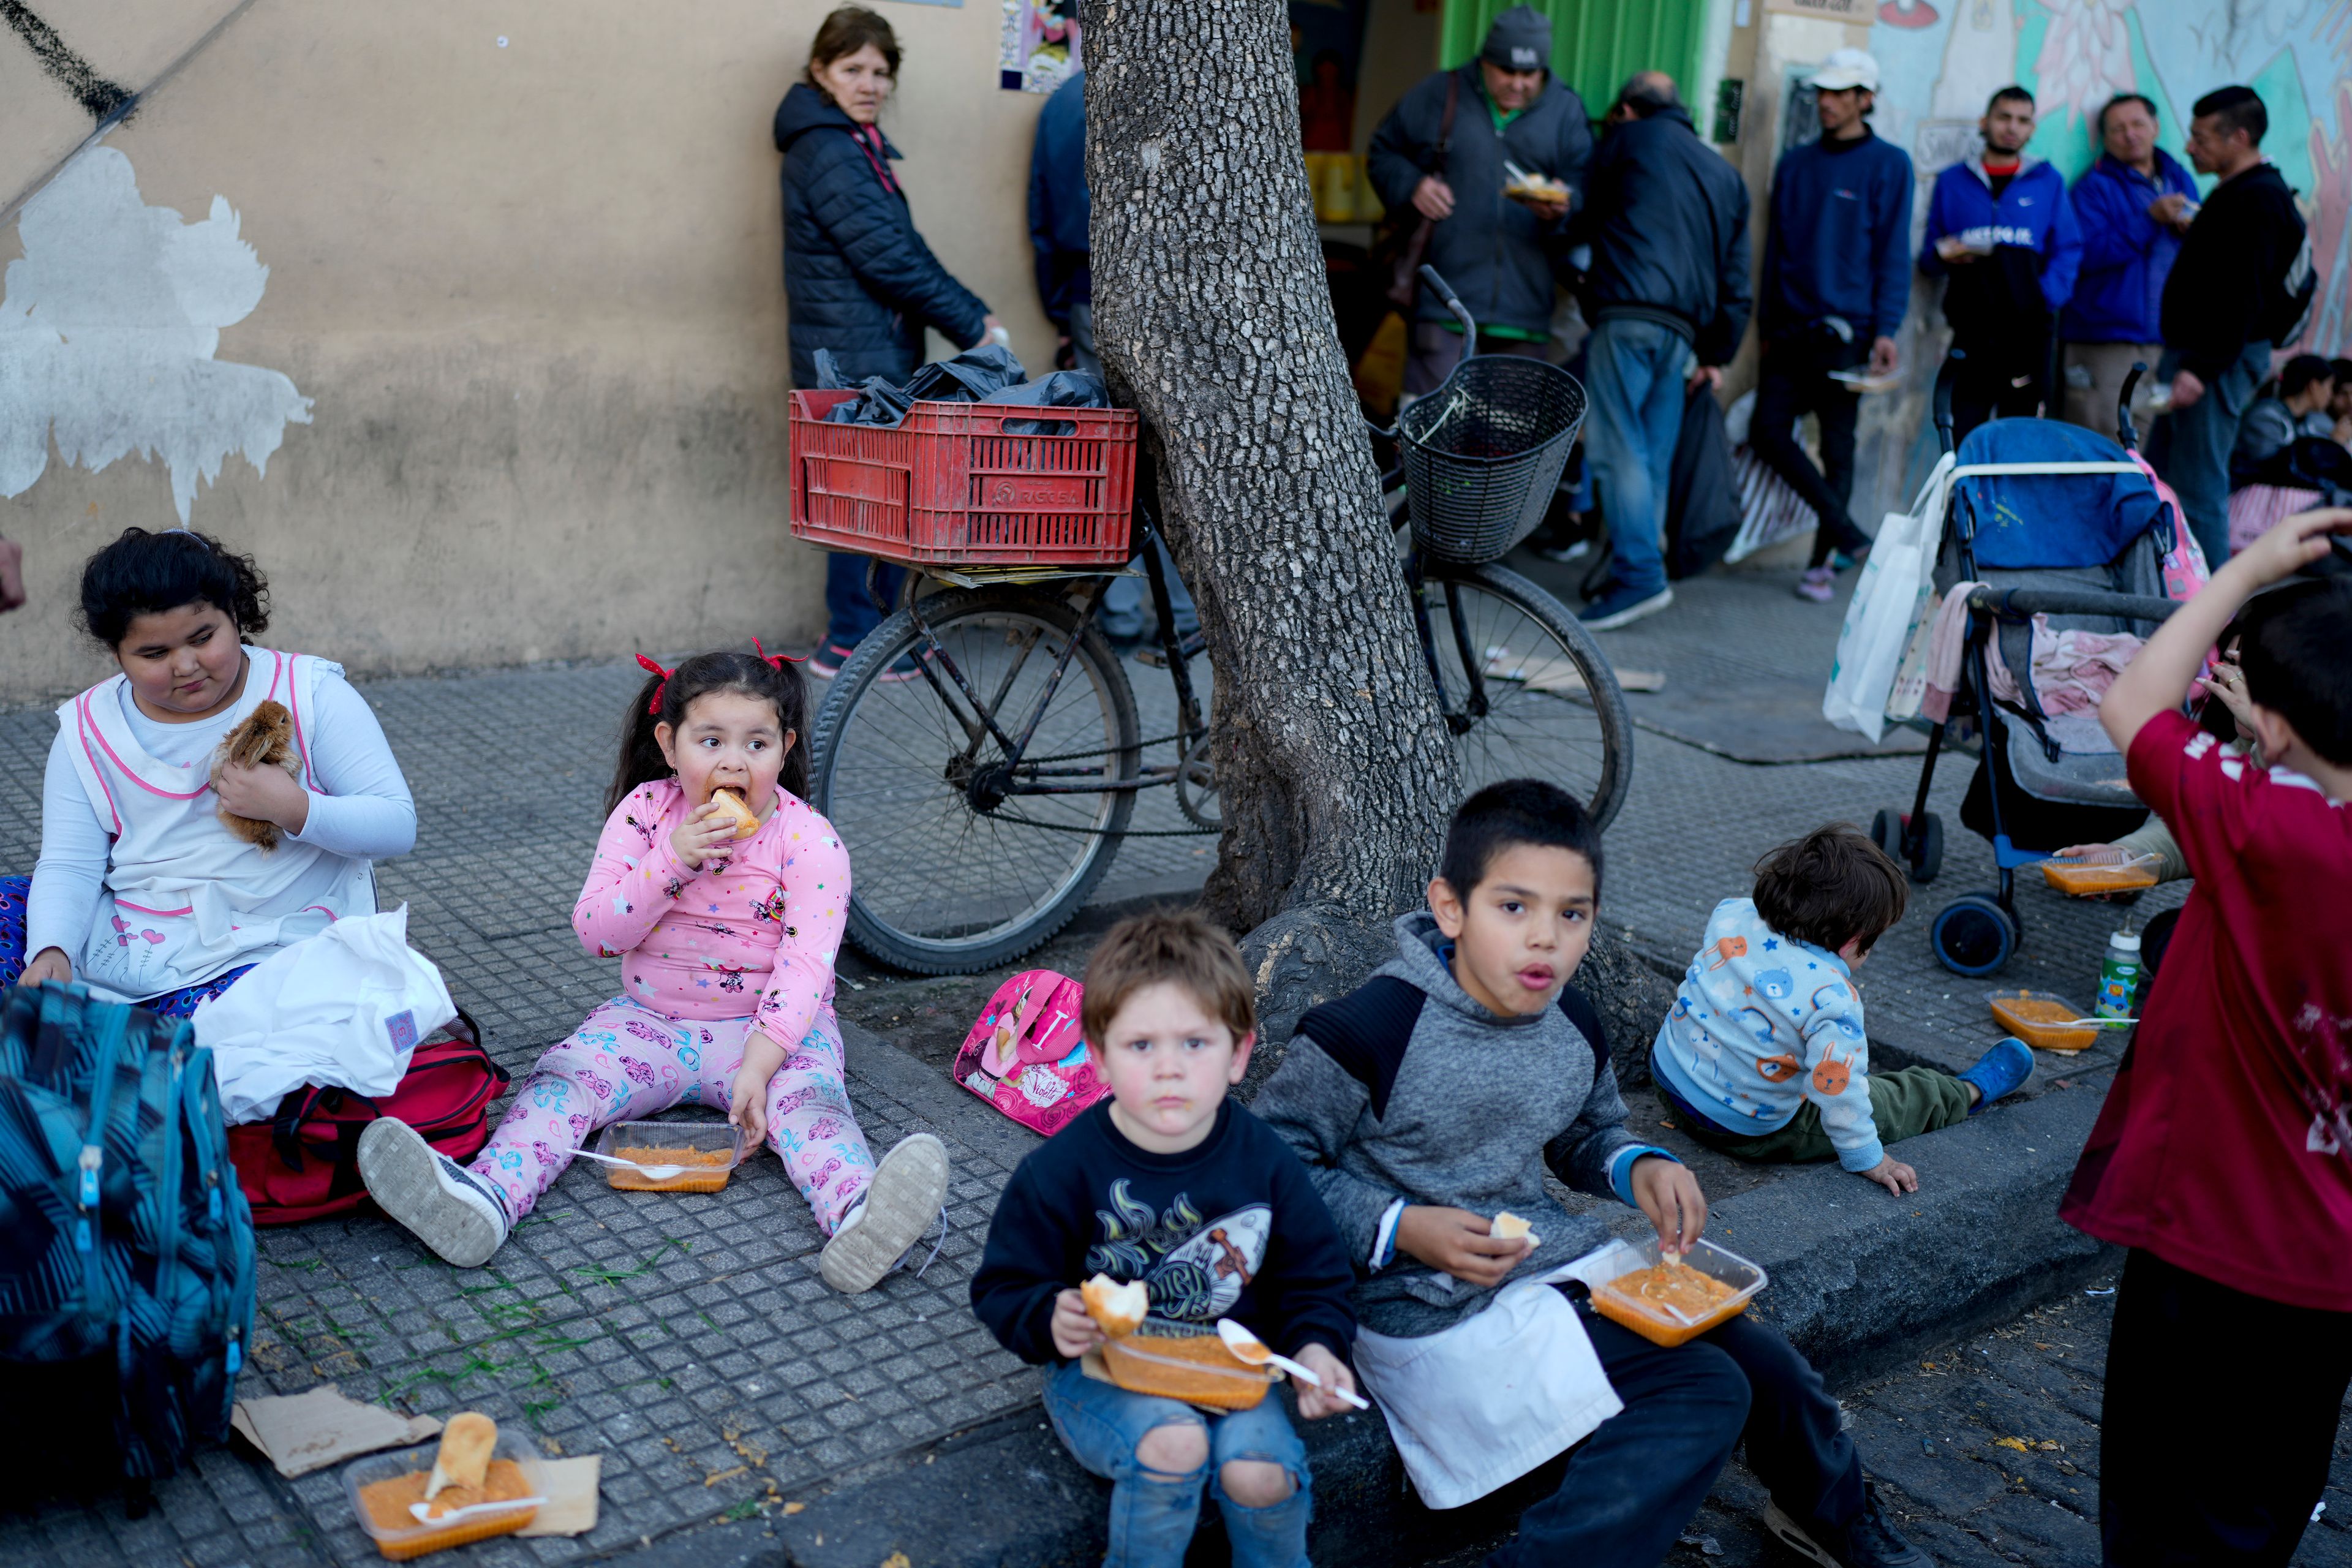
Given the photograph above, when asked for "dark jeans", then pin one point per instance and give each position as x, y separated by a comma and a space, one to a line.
2197, 441
849, 613
1632, 1484
1795, 382
1998, 382
2219, 1421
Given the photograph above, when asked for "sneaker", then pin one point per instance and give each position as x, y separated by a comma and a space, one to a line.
447, 1207
1841, 562
1574, 549
1819, 584
826, 661
2000, 1072
1621, 606
909, 1191
1867, 1541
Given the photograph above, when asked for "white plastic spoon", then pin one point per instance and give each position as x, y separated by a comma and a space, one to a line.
650, 1172
1251, 1351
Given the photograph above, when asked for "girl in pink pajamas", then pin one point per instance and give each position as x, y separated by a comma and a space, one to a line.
726, 948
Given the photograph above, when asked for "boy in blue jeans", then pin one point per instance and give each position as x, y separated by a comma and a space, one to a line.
1435, 1096
1170, 1182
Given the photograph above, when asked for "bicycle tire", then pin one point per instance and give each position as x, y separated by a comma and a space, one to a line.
1556, 711
940, 886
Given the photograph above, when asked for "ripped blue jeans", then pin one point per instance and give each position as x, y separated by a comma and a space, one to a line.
1153, 1515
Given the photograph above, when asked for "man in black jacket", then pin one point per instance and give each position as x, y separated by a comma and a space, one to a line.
1441, 152
2223, 305
1667, 220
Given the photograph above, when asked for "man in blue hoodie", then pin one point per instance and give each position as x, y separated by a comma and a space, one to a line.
1998, 226
1837, 279
2131, 207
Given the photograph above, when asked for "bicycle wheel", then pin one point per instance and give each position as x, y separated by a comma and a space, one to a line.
956, 871
1553, 710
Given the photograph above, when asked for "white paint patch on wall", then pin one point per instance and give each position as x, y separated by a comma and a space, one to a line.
107, 326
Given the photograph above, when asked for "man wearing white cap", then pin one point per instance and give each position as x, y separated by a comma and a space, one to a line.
1837, 277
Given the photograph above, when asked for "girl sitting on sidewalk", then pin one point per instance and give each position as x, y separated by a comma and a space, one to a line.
726, 948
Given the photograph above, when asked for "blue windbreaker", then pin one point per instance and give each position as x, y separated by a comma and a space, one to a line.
2126, 255
1836, 245
2031, 214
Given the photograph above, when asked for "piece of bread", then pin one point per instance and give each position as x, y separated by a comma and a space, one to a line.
265, 739
465, 1454
1509, 1227
1119, 1309
728, 800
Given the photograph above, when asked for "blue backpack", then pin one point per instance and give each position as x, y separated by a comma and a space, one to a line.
126, 1247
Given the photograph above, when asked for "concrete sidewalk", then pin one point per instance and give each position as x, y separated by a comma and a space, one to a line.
688, 1340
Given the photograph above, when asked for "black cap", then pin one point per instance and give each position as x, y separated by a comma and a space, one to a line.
1521, 40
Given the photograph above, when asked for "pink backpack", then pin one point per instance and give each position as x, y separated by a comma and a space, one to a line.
1026, 1055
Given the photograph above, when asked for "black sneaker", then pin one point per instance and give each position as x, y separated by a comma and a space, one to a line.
1867, 1541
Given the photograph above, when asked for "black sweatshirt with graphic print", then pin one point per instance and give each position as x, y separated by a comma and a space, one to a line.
1229, 1229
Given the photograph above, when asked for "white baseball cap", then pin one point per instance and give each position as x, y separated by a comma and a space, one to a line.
1844, 68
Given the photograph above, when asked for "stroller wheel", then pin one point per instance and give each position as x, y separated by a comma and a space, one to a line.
1973, 935
1886, 832
1927, 857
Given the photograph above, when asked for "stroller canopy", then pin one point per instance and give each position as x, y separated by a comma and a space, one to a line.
2049, 520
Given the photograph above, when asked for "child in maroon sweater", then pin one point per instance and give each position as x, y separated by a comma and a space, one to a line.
2223, 1155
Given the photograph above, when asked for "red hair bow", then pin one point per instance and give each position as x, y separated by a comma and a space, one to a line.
775, 660
659, 692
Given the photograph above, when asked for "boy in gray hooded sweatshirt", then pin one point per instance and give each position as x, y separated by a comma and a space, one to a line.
1435, 1096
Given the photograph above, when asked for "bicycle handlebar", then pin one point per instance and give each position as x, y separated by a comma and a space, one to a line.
1452, 302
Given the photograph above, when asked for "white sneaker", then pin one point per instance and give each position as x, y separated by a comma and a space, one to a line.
909, 1190
448, 1208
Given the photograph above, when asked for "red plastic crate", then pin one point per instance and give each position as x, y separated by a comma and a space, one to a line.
949, 485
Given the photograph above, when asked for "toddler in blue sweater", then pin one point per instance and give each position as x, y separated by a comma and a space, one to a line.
1764, 1055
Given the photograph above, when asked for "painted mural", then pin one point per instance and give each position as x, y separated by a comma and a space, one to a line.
1943, 58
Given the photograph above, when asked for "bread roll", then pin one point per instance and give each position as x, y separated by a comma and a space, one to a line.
728, 800
465, 1455
1118, 1308
1508, 1227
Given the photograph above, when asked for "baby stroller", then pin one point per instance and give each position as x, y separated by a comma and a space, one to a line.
2057, 523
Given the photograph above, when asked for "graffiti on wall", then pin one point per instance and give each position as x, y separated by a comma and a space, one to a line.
1941, 59
108, 322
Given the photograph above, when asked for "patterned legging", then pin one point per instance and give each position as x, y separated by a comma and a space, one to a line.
626, 1061
17, 891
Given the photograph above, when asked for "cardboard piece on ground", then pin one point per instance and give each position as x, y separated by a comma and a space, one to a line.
1556, 674
305, 1432
570, 1488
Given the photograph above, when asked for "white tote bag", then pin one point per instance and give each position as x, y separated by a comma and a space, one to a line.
344, 1008
1890, 604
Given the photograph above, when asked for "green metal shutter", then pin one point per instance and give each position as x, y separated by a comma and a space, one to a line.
1595, 44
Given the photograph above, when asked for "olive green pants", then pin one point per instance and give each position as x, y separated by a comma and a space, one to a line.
1904, 1103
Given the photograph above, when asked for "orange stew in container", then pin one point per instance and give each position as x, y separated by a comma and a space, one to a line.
707, 1170
2082, 880
1195, 1368
2040, 1020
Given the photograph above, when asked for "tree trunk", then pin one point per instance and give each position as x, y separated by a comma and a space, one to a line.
1213, 320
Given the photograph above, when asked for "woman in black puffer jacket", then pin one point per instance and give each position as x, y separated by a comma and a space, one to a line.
858, 279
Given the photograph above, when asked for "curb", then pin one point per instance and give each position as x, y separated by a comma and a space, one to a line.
1860, 1281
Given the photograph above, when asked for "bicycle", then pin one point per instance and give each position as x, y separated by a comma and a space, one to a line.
982, 748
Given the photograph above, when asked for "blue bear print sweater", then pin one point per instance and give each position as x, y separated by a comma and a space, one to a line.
1763, 1023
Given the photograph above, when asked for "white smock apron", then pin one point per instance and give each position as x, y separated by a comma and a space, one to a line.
1485, 1402
186, 899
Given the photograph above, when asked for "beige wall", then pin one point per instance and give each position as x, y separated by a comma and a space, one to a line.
534, 292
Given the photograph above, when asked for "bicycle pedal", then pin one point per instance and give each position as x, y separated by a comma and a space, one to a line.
1156, 656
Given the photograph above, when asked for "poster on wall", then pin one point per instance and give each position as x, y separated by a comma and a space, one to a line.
1038, 49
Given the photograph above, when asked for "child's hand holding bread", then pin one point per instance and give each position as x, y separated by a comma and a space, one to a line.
1075, 1331
704, 835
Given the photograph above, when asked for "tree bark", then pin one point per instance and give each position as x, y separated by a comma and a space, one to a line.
1214, 320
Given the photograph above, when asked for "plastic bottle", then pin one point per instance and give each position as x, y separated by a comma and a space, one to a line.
2118, 975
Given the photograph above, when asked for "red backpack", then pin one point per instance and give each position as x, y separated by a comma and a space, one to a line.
303, 1163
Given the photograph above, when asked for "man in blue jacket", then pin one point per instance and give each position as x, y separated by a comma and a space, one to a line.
1837, 279
1059, 214
1668, 295
2131, 208
1998, 226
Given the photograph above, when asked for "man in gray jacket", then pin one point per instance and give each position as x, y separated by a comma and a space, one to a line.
1441, 152
1433, 1098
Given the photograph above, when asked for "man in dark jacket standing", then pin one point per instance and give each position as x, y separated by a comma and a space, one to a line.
1059, 214
1837, 279
1498, 252
1667, 292
2000, 230
2131, 208
2223, 305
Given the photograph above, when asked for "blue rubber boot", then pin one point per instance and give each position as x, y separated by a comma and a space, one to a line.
2001, 1071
